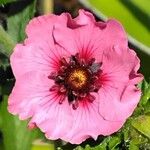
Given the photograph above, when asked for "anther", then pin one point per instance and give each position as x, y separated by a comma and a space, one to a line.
75, 93
82, 95
95, 67
91, 98
62, 89
75, 58
83, 62
96, 90
97, 87
64, 62
95, 78
92, 88
61, 100
75, 104
63, 68
91, 61
54, 88
71, 97
72, 62
59, 79
52, 75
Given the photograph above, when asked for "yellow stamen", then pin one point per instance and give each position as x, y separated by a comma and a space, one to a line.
78, 78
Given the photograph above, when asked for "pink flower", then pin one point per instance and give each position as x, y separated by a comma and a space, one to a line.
75, 78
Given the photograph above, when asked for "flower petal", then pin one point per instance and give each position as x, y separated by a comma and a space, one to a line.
29, 91
53, 119
118, 94
119, 65
63, 34
61, 121
114, 106
87, 122
112, 34
39, 58
64, 37
84, 18
40, 28
91, 39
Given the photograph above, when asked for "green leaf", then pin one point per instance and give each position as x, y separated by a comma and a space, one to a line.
87, 147
143, 85
114, 142
16, 23
142, 124
6, 1
41, 145
146, 93
6, 42
135, 15
144, 105
109, 143
80, 148
133, 147
136, 137
16, 136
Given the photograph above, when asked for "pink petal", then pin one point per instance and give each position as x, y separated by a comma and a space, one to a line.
134, 76
84, 40
40, 28
119, 65
87, 122
112, 34
39, 58
116, 106
78, 32
118, 95
53, 119
29, 91
90, 39
84, 18
75, 126
65, 38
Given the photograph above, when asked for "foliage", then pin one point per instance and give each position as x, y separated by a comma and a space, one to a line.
16, 24
6, 1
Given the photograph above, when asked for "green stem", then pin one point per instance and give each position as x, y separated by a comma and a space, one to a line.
6, 42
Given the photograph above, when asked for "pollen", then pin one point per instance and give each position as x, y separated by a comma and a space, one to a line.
77, 78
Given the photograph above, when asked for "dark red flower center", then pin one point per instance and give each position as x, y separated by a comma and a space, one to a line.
76, 79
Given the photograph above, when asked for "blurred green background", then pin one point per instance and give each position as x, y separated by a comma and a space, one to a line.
15, 14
